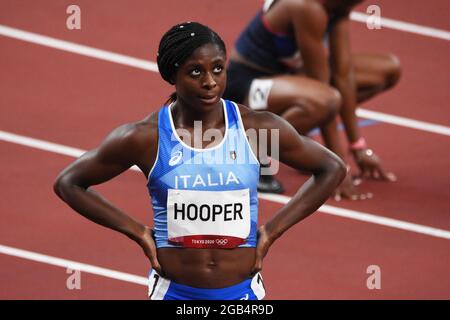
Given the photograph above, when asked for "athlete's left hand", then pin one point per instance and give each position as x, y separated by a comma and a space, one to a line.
262, 247
370, 166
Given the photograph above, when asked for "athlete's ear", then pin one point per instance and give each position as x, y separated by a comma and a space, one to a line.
173, 77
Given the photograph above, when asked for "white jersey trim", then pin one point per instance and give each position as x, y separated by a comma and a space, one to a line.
242, 128
225, 114
257, 286
161, 287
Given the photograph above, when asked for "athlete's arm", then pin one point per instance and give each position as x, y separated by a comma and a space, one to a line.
343, 79
343, 76
123, 148
309, 22
304, 154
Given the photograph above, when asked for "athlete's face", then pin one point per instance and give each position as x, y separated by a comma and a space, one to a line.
200, 81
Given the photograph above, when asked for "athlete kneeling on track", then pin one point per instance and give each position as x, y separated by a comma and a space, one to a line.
294, 59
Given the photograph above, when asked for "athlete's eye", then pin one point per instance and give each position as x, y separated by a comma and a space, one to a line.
218, 69
195, 72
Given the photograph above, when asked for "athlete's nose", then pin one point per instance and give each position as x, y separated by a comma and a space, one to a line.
208, 81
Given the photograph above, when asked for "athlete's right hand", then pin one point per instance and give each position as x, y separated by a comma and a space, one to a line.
349, 190
147, 244
370, 166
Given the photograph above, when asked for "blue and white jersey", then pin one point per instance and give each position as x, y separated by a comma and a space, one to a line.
204, 198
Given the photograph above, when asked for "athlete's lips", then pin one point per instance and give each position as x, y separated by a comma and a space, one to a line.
209, 99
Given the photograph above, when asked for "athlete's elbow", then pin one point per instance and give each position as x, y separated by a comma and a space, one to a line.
59, 185
62, 185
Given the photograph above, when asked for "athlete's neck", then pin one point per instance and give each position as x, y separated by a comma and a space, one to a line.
184, 115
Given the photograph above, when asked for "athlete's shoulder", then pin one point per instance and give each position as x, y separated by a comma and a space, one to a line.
310, 6
139, 130
307, 12
258, 119
135, 136
145, 131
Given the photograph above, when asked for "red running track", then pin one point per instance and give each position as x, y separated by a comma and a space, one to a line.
75, 101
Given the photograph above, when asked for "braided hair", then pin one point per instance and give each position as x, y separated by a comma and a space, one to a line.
177, 45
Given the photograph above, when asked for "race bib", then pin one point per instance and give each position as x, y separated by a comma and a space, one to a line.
208, 219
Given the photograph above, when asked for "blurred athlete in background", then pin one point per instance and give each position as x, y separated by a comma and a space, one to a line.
294, 59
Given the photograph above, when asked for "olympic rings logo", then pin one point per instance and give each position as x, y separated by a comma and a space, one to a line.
221, 242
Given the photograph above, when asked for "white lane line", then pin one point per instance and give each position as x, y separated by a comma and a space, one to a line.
351, 214
40, 144
151, 66
367, 217
38, 257
45, 145
403, 122
77, 48
404, 26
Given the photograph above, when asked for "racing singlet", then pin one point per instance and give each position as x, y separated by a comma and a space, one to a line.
204, 198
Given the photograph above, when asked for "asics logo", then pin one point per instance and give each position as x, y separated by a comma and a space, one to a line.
221, 242
175, 159
245, 297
